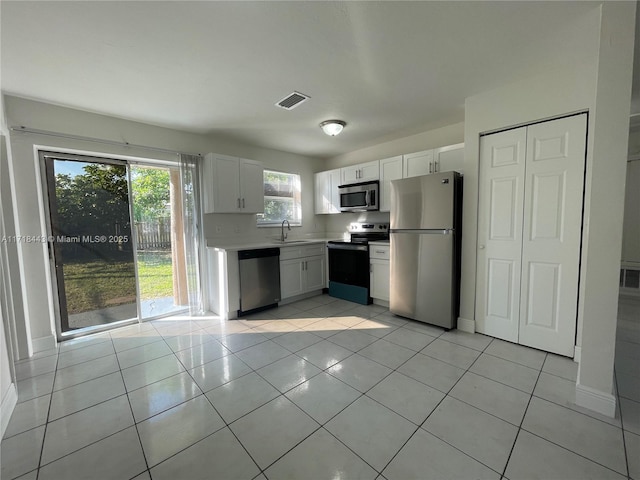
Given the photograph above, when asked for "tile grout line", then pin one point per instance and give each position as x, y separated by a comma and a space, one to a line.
513, 446
46, 425
624, 440
135, 425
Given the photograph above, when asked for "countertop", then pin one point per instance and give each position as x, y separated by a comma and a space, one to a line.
248, 244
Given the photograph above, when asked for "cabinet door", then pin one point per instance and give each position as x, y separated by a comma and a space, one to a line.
334, 205
251, 186
369, 171
449, 158
350, 175
419, 163
314, 270
291, 278
322, 183
390, 169
380, 279
224, 185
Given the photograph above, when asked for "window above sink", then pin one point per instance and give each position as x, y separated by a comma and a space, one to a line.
282, 199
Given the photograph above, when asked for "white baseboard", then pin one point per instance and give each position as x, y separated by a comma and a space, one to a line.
601, 402
466, 325
577, 354
382, 303
43, 344
6, 409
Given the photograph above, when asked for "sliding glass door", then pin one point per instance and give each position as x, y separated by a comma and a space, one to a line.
90, 241
159, 232
116, 240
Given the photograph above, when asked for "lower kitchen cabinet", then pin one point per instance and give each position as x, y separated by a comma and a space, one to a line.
379, 272
302, 270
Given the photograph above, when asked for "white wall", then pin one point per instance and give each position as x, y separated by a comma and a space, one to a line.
600, 83
38, 301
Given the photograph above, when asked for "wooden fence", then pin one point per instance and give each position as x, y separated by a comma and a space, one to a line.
154, 235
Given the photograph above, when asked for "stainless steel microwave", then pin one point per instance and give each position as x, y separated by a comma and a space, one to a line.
359, 197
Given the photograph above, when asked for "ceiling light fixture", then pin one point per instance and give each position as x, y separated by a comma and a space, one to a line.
332, 127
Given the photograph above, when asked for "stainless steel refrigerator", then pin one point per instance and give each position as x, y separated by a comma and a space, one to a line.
425, 239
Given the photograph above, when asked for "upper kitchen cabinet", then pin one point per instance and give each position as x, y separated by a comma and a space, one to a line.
363, 172
326, 188
232, 185
442, 159
390, 169
449, 158
418, 163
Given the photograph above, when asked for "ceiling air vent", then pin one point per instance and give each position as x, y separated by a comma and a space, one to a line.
292, 100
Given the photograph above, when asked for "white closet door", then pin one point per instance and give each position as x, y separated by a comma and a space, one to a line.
502, 168
552, 231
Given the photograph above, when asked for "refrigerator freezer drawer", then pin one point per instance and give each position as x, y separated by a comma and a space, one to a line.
423, 277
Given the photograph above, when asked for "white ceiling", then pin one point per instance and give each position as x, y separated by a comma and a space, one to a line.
389, 69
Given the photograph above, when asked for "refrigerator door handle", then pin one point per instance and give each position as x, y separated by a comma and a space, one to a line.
443, 231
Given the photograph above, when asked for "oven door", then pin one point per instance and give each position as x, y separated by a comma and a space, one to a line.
349, 264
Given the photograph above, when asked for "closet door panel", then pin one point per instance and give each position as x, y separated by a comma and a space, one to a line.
552, 233
502, 168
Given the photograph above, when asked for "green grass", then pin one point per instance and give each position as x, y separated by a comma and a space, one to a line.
156, 275
100, 284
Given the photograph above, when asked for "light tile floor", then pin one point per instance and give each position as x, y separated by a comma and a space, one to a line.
319, 389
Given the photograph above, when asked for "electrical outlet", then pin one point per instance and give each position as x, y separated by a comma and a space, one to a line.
218, 228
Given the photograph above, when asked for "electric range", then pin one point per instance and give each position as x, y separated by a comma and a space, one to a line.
349, 261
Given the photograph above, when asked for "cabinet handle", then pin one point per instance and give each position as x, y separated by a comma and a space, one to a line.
371, 268
430, 167
379, 251
435, 166
243, 203
238, 203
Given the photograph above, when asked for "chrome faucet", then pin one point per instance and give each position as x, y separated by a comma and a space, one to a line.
283, 236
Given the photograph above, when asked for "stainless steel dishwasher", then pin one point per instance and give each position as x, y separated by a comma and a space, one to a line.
259, 279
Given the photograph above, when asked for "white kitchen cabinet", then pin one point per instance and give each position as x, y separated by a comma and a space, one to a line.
363, 172
315, 268
418, 163
442, 159
390, 169
223, 282
449, 158
251, 186
327, 199
291, 278
379, 272
302, 270
232, 185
